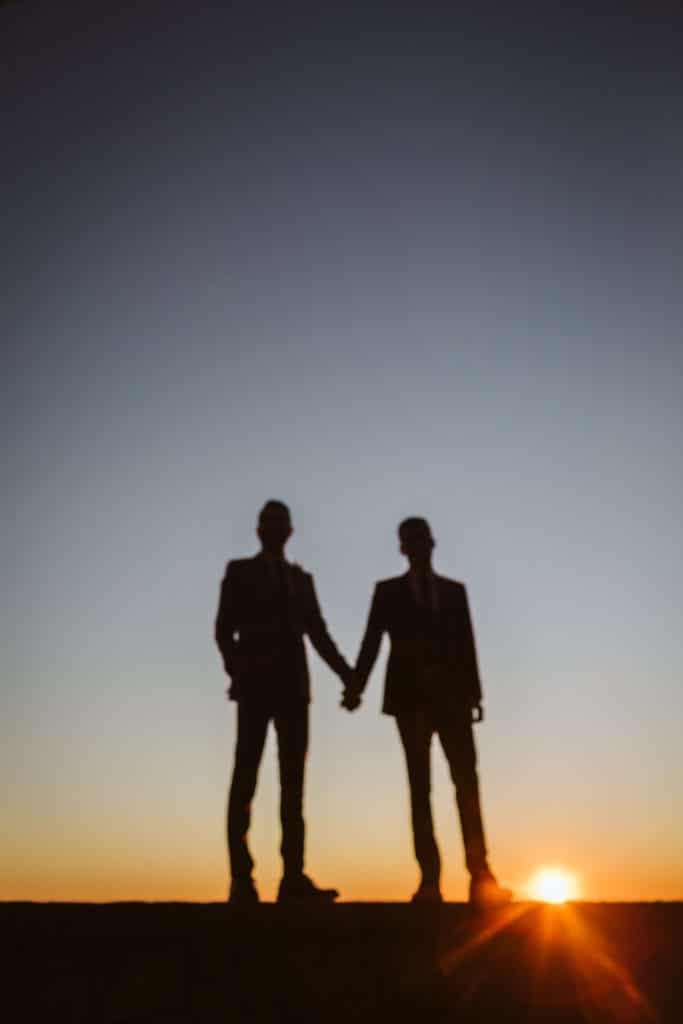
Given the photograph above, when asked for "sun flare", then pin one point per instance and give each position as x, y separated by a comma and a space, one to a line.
553, 885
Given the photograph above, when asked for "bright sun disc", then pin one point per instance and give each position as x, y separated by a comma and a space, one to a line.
552, 885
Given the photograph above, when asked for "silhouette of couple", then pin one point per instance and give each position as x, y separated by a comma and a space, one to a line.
432, 685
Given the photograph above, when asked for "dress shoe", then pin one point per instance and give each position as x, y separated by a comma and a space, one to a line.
485, 893
243, 892
301, 890
428, 892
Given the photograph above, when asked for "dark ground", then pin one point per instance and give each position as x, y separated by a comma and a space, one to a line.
351, 962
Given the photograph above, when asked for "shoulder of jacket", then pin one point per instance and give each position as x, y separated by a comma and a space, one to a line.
455, 586
237, 564
389, 583
299, 571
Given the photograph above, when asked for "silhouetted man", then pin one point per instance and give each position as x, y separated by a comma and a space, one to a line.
266, 606
432, 686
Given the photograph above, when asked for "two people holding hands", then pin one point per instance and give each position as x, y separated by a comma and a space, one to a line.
266, 607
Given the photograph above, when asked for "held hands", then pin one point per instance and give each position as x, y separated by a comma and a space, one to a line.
350, 700
478, 713
351, 696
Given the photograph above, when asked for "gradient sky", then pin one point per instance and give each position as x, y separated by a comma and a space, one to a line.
374, 264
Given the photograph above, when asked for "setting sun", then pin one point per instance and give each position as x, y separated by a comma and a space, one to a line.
553, 885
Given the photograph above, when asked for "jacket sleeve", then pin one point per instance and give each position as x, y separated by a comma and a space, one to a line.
369, 648
224, 629
470, 653
319, 636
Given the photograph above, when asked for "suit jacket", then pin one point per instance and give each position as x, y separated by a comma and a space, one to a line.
251, 632
441, 641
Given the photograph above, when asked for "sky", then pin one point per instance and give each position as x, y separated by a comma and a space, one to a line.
373, 262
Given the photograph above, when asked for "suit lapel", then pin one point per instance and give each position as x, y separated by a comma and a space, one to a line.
264, 580
406, 597
440, 594
437, 594
299, 595
267, 582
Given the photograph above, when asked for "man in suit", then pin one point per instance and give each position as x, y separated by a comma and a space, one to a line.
432, 686
266, 607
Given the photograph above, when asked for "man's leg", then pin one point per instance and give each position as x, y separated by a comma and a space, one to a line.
457, 739
252, 726
291, 725
295, 888
415, 730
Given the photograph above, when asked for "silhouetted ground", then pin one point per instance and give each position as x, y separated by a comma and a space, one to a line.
350, 962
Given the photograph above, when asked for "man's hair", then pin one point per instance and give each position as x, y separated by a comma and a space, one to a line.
272, 505
413, 523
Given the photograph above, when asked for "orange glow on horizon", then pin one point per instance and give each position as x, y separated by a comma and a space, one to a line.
553, 885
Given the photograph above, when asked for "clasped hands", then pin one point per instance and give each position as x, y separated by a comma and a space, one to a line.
351, 698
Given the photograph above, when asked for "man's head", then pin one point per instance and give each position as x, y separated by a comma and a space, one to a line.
416, 541
274, 526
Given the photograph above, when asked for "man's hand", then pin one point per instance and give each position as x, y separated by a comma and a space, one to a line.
478, 713
350, 699
352, 690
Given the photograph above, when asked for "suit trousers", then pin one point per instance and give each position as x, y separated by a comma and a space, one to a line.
454, 729
291, 726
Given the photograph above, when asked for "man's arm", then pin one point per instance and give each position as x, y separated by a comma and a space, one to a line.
317, 631
224, 628
470, 657
369, 648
